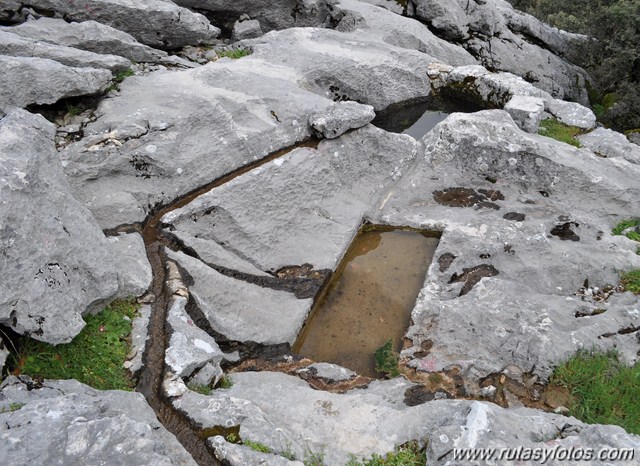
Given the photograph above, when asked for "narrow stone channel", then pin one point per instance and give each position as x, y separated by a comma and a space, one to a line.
151, 378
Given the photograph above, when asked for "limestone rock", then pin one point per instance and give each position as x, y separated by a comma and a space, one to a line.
88, 35
246, 30
571, 113
330, 372
132, 265
242, 311
340, 118
157, 23
39, 81
57, 264
16, 46
4, 354
139, 337
526, 112
240, 455
609, 143
75, 424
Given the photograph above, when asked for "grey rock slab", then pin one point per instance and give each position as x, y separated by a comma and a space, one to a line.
449, 17
542, 224
399, 31
57, 264
288, 416
330, 372
16, 46
272, 14
40, 81
139, 337
75, 424
209, 374
88, 35
240, 455
354, 66
215, 254
241, 311
341, 117
246, 30
156, 23
304, 207
526, 112
4, 354
608, 143
190, 347
169, 133
571, 113
132, 265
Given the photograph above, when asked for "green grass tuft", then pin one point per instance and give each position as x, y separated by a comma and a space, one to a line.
631, 281
12, 407
94, 357
256, 446
407, 455
560, 132
387, 360
605, 391
233, 53
624, 224
313, 458
199, 388
118, 78
225, 382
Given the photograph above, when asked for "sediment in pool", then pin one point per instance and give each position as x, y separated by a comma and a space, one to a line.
370, 298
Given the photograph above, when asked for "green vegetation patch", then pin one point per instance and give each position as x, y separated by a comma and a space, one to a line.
631, 282
200, 388
225, 382
625, 224
233, 53
408, 454
387, 360
257, 446
560, 132
604, 390
94, 357
118, 78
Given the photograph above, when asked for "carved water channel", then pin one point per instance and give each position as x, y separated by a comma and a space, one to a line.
370, 298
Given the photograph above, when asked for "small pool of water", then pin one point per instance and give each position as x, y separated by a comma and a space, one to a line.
418, 118
370, 299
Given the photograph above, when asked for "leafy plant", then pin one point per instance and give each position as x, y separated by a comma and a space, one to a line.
408, 454
313, 458
233, 53
625, 224
631, 281
387, 360
118, 78
604, 390
559, 131
94, 357
225, 382
73, 110
199, 388
232, 438
257, 446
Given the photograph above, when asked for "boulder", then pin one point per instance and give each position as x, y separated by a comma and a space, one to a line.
249, 29
42, 81
341, 117
57, 264
88, 35
16, 46
132, 265
75, 424
526, 112
608, 143
139, 337
241, 311
272, 15
156, 23
571, 113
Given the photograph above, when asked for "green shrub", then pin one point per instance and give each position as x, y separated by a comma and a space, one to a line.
233, 53
409, 454
631, 281
387, 360
94, 357
628, 223
225, 382
199, 388
604, 390
560, 132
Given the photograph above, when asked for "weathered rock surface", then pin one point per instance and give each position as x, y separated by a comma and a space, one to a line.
272, 14
499, 37
241, 311
475, 168
16, 46
88, 35
246, 30
57, 264
139, 338
571, 113
608, 143
75, 424
330, 372
132, 265
304, 207
341, 117
400, 31
4, 354
29, 81
285, 414
160, 24
526, 112
240, 455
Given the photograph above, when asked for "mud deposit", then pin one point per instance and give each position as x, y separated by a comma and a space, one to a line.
370, 299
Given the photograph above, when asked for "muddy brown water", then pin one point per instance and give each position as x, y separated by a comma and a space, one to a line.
370, 299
